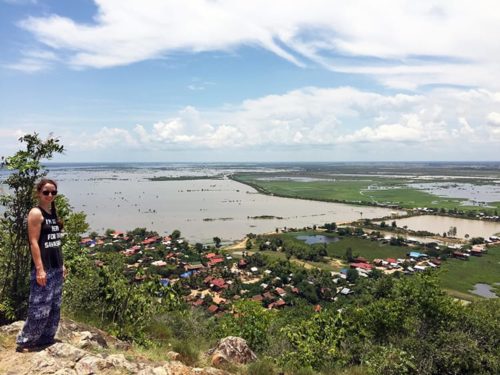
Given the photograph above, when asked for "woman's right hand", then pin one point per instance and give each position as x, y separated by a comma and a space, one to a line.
41, 277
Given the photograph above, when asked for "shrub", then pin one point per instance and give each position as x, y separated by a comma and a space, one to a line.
262, 367
189, 351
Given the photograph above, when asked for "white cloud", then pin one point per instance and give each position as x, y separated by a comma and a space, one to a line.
402, 44
9, 140
34, 61
494, 119
313, 118
11, 133
106, 138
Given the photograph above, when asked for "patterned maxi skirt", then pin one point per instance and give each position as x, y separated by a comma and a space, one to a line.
44, 310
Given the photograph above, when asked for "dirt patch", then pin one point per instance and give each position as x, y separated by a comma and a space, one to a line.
303, 264
238, 246
337, 263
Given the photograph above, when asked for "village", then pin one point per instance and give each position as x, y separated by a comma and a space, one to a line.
212, 278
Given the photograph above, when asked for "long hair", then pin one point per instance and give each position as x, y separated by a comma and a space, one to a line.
39, 187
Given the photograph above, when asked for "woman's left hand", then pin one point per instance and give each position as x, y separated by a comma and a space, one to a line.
65, 272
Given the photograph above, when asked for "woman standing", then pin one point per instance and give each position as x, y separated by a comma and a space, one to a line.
47, 271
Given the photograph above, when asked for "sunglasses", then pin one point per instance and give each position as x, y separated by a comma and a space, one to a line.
46, 192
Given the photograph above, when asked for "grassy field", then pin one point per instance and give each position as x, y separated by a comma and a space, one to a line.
461, 276
366, 248
368, 190
360, 247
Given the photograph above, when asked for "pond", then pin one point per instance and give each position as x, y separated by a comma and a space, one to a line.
484, 290
311, 240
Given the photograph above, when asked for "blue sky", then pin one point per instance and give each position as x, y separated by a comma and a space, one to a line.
232, 80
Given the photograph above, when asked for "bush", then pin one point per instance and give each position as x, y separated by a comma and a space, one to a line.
250, 321
390, 361
262, 367
189, 351
315, 342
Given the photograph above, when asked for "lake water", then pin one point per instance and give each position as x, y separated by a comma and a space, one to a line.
123, 199
440, 224
120, 196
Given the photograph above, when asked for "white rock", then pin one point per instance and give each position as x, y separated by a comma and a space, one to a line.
91, 364
13, 328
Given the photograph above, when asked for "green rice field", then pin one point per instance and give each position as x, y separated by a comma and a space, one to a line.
461, 276
362, 190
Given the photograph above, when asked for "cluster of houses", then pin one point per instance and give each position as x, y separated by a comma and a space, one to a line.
479, 215
209, 265
220, 272
414, 262
475, 250
418, 262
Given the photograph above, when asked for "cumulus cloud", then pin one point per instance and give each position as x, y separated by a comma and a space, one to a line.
314, 117
402, 44
105, 138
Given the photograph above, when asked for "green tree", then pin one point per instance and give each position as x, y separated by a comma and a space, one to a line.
15, 258
352, 275
315, 342
348, 255
250, 321
199, 247
176, 234
248, 244
217, 241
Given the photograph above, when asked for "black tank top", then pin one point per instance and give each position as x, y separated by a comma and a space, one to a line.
50, 241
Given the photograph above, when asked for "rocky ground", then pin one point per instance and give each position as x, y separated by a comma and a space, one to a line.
85, 350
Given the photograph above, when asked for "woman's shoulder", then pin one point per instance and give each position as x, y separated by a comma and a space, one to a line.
35, 212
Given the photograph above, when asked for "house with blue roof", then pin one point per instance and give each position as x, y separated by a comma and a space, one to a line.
417, 255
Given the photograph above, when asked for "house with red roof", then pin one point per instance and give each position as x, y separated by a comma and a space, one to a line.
218, 284
150, 240
215, 260
280, 291
268, 295
363, 266
198, 302
213, 309
117, 234
257, 298
275, 305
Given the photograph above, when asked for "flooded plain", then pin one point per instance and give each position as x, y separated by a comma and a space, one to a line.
474, 194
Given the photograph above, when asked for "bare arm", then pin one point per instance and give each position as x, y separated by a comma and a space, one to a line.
35, 220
